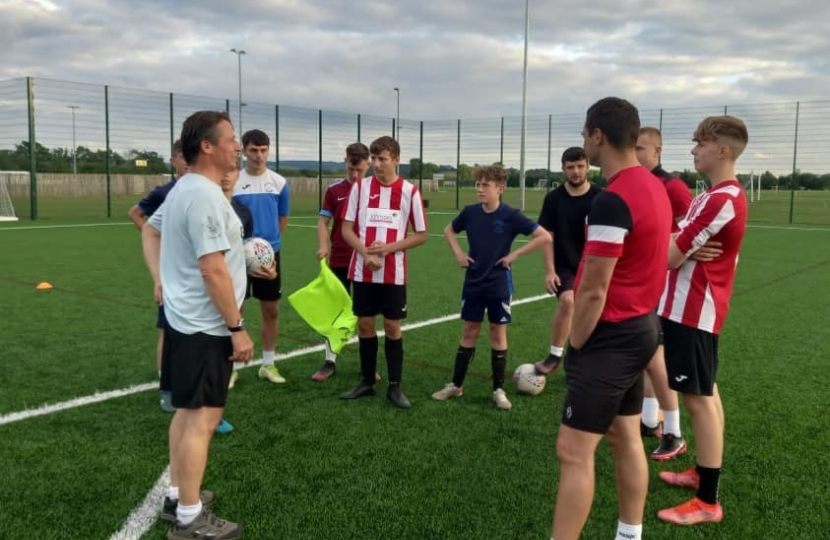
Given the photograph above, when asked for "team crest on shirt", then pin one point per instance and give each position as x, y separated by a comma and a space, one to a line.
498, 226
212, 229
270, 187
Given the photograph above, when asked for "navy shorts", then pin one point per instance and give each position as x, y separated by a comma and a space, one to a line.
474, 305
161, 319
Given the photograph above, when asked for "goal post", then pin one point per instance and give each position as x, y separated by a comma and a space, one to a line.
6, 206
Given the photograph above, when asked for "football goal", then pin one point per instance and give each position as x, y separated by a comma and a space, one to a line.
6, 206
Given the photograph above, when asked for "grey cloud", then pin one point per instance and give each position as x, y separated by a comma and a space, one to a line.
450, 59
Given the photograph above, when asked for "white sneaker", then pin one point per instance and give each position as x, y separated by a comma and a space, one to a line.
449, 391
501, 401
271, 373
232, 381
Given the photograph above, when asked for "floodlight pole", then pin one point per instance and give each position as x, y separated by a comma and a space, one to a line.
239, 54
74, 146
524, 112
398, 115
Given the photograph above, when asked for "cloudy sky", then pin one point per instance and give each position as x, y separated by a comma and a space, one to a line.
451, 59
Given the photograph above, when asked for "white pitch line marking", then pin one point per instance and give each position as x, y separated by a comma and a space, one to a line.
142, 518
145, 515
135, 389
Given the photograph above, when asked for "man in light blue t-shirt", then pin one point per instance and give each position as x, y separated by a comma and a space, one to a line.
193, 248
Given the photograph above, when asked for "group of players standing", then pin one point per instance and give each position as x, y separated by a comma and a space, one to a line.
617, 254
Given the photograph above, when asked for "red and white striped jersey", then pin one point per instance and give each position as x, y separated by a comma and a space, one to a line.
697, 294
383, 213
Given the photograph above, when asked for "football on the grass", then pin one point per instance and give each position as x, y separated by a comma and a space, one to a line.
259, 254
527, 381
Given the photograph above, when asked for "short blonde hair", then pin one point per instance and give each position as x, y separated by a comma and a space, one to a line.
494, 172
652, 131
725, 129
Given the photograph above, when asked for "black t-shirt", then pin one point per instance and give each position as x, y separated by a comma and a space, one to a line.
564, 216
245, 216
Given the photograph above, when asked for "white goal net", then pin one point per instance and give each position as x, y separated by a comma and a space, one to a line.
6, 206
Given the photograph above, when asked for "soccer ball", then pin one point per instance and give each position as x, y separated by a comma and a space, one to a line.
526, 380
258, 254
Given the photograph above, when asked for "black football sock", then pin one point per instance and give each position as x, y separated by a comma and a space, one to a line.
498, 361
394, 360
463, 358
709, 480
368, 358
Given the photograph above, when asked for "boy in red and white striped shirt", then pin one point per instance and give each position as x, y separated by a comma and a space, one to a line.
694, 305
376, 222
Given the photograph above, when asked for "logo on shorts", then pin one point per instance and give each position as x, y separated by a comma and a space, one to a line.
569, 412
681, 378
503, 319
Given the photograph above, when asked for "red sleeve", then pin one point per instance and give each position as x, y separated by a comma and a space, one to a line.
350, 208
417, 216
716, 213
329, 203
680, 197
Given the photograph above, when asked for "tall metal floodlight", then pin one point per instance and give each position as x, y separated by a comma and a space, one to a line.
239, 54
74, 145
524, 113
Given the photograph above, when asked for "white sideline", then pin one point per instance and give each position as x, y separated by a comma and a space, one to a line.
142, 518
135, 389
145, 515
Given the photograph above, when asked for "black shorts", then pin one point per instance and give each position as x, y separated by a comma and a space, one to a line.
691, 358
198, 369
370, 299
161, 320
566, 279
604, 378
266, 289
343, 275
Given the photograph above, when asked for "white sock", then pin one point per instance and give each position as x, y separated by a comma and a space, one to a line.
556, 351
188, 514
268, 358
173, 493
159, 374
671, 422
330, 356
629, 532
651, 409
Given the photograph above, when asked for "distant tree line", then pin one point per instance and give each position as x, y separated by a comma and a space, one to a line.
60, 160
